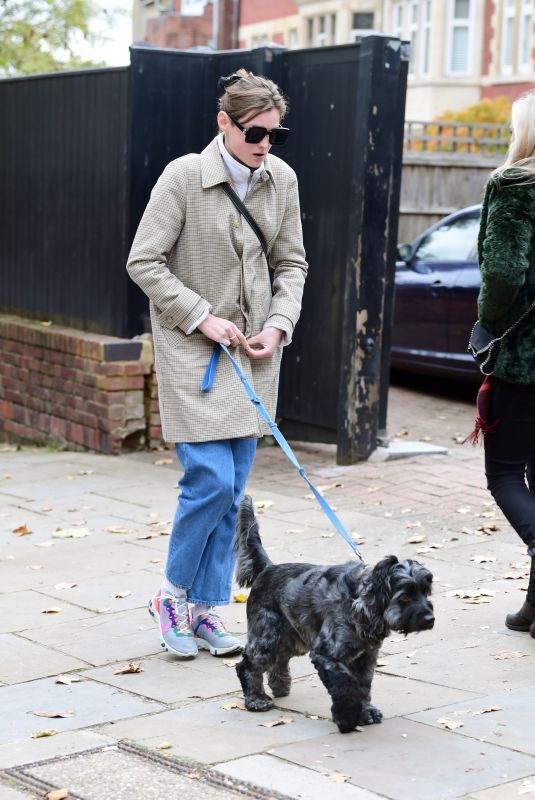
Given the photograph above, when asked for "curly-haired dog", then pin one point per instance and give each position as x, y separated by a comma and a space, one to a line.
339, 614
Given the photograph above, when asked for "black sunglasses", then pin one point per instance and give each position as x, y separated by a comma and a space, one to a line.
256, 133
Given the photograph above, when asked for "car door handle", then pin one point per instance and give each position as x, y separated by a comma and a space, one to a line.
437, 283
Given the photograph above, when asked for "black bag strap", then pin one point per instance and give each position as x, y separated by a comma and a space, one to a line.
227, 188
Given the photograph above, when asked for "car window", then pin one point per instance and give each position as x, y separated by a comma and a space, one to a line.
453, 241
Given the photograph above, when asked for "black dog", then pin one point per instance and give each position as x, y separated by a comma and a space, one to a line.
339, 614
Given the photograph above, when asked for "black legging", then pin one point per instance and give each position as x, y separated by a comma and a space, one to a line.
509, 451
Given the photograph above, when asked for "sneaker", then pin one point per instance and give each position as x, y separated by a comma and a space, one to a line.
210, 634
174, 620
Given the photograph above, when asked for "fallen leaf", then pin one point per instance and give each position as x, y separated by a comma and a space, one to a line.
36, 566
490, 527
164, 746
416, 539
121, 594
463, 510
57, 794
382, 663
339, 777
503, 655
70, 533
483, 559
54, 714
240, 597
61, 586
467, 530
273, 723
487, 710
48, 543
22, 530
51, 610
46, 508
409, 525
160, 462
146, 536
116, 529
295, 530
231, 662
102, 610
260, 505
450, 724
238, 704
130, 667
41, 734
67, 679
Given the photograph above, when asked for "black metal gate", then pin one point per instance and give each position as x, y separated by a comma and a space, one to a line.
80, 153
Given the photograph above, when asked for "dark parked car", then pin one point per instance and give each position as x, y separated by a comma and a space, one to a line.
437, 283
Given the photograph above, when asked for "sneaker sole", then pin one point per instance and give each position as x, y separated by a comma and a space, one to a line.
218, 651
164, 644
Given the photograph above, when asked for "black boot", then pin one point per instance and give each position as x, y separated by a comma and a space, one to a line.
524, 620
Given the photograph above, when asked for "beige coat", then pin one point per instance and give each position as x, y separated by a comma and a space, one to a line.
193, 250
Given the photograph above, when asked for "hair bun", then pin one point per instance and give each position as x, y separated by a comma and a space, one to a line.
224, 82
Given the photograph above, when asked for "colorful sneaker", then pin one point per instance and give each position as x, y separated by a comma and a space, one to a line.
210, 634
174, 621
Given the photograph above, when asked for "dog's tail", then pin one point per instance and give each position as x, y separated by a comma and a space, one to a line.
252, 558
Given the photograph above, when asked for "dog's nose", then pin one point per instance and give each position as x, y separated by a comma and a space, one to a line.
429, 620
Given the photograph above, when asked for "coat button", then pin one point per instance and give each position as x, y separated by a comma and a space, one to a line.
168, 319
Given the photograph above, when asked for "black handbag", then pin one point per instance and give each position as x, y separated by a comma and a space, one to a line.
484, 346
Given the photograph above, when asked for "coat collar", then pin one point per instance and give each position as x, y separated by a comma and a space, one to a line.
214, 171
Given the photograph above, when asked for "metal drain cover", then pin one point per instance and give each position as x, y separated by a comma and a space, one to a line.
129, 772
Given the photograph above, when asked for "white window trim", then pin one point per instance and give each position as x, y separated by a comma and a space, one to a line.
425, 39
449, 40
507, 69
397, 20
525, 7
414, 27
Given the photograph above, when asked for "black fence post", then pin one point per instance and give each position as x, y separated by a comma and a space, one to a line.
368, 294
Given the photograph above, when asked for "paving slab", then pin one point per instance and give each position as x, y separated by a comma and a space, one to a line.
508, 791
507, 726
24, 660
91, 703
96, 593
404, 760
103, 639
20, 610
29, 751
8, 793
208, 733
305, 784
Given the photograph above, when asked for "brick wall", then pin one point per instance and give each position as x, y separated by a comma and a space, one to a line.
76, 389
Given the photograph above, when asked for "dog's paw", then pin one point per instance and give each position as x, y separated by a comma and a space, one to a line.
262, 703
370, 715
280, 685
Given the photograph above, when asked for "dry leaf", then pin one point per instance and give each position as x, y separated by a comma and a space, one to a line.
118, 595
41, 734
463, 510
487, 710
162, 461
51, 610
295, 530
260, 505
339, 777
382, 663
130, 667
490, 527
36, 566
503, 655
231, 662
273, 723
416, 539
54, 714
116, 529
450, 724
483, 559
467, 530
60, 586
57, 794
413, 525
22, 530
164, 746
70, 533
68, 679
156, 560
238, 704
240, 597
146, 536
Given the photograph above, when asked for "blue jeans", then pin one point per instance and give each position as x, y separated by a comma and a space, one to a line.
201, 553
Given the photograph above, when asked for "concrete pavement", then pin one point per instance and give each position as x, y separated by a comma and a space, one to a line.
83, 543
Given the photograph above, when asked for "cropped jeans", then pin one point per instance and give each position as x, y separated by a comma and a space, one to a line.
510, 452
201, 553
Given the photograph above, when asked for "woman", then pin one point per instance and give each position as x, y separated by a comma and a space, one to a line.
507, 262
204, 271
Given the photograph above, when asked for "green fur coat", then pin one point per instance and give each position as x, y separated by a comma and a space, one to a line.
506, 248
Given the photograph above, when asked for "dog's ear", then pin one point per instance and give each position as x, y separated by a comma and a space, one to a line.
381, 579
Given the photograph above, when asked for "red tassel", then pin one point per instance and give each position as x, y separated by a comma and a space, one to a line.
483, 427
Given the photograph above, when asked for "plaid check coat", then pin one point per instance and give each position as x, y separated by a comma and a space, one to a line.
193, 251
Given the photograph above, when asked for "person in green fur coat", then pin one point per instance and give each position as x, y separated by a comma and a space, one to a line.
507, 262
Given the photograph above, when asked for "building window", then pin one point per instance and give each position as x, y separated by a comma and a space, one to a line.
426, 38
413, 34
362, 25
526, 26
459, 38
292, 39
333, 29
397, 20
310, 32
508, 34
322, 33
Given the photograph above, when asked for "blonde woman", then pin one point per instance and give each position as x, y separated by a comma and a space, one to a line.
507, 263
207, 279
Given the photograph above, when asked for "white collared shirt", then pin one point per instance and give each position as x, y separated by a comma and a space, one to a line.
242, 177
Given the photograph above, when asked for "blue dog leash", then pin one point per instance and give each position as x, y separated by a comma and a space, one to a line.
206, 385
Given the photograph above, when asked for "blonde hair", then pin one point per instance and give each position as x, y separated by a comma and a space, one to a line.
521, 152
246, 95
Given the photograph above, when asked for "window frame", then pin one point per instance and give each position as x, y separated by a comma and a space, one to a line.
459, 22
425, 49
526, 11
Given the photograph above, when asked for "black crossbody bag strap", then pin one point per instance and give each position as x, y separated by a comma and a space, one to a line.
248, 216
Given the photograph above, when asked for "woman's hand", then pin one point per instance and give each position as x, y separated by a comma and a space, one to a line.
222, 330
264, 344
